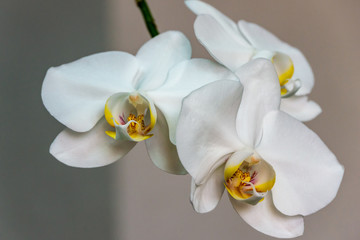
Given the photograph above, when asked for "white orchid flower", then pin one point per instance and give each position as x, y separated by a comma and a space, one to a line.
234, 44
141, 100
274, 168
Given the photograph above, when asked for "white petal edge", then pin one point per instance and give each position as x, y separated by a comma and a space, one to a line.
300, 108
182, 80
161, 151
261, 95
159, 55
265, 218
202, 8
259, 37
90, 149
308, 174
205, 133
222, 46
205, 197
262, 39
76, 93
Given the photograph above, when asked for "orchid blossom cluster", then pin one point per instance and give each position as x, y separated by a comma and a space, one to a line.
232, 124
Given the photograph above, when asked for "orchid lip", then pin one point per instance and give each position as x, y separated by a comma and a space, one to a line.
284, 67
249, 179
292, 86
132, 115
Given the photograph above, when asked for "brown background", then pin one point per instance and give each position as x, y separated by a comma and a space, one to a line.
155, 205
42, 199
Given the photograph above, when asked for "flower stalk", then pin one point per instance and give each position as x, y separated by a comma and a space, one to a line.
148, 18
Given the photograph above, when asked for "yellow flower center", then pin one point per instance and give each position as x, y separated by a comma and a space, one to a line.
131, 115
250, 179
137, 124
284, 68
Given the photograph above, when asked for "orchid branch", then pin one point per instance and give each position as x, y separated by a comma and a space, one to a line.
148, 18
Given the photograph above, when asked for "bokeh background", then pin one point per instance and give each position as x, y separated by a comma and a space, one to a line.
42, 199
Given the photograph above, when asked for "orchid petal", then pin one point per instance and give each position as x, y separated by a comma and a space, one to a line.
228, 25
308, 174
261, 95
226, 48
262, 39
161, 151
160, 54
75, 93
265, 218
259, 37
206, 196
182, 80
90, 149
208, 116
300, 108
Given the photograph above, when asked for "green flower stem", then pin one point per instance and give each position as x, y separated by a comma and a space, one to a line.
149, 20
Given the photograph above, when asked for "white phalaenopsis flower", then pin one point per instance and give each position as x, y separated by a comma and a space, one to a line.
140, 95
234, 44
276, 170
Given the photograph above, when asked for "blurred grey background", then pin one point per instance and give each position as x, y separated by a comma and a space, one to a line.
43, 199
